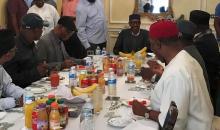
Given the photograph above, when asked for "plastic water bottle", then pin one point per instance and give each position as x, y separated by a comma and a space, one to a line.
98, 51
104, 52
89, 105
72, 77
86, 120
86, 117
112, 84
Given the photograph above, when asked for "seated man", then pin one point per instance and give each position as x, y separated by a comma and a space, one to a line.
133, 39
182, 82
25, 68
207, 46
12, 94
51, 47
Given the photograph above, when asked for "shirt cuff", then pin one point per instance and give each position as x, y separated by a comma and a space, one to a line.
7, 103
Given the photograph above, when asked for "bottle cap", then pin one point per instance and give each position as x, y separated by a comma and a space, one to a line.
73, 67
88, 100
55, 105
60, 101
48, 102
28, 102
51, 96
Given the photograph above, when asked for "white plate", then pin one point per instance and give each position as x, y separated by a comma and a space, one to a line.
119, 122
38, 90
2, 115
126, 102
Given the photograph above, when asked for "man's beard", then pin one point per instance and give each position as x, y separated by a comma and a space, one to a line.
91, 1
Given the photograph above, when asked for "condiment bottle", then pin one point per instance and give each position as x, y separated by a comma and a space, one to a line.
54, 118
63, 113
28, 109
120, 68
54, 80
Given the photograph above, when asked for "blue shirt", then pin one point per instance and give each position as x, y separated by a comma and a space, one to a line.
217, 10
91, 23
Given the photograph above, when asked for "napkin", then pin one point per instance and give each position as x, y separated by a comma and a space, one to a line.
138, 126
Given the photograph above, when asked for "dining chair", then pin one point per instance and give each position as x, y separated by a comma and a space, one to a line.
171, 117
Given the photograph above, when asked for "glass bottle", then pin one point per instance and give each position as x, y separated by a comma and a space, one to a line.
120, 68
54, 117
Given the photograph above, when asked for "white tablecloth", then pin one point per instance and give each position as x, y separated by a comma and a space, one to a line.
100, 120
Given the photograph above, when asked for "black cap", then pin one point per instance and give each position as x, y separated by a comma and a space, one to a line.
67, 22
6, 41
134, 16
199, 17
186, 28
32, 20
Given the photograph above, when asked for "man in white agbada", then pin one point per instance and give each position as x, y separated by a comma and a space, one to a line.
182, 82
12, 94
47, 12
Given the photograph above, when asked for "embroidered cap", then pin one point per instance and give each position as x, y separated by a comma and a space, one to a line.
163, 29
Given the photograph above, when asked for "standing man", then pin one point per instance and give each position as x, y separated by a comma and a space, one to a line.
132, 39
12, 94
47, 12
25, 68
16, 9
217, 21
91, 24
182, 82
69, 8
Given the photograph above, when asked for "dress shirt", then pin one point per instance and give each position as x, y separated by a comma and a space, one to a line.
69, 7
52, 49
91, 23
23, 67
47, 13
8, 90
183, 82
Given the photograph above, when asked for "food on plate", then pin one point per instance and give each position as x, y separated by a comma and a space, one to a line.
144, 102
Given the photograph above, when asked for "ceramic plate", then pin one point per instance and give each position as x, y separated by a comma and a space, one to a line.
2, 115
119, 122
38, 90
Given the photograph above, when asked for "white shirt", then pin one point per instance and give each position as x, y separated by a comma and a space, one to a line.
8, 90
90, 22
47, 13
183, 82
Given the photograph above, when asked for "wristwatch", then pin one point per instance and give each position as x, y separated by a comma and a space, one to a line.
17, 102
147, 115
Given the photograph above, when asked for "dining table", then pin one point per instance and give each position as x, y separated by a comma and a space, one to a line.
126, 92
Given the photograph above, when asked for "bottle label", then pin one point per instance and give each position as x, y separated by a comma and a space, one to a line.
112, 81
72, 76
54, 124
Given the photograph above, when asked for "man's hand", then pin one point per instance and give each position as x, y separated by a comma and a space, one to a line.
42, 68
155, 67
146, 73
138, 108
68, 63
